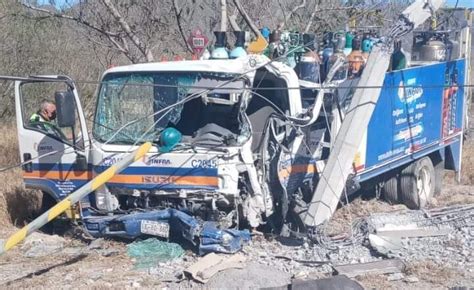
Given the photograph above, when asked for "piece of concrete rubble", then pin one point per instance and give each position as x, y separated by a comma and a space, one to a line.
100, 246
395, 277
374, 268
96, 244
411, 279
331, 283
40, 245
410, 231
212, 263
384, 244
253, 276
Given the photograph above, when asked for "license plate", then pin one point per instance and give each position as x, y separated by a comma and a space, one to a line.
153, 228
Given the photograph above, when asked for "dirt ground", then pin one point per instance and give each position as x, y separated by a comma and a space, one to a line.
75, 264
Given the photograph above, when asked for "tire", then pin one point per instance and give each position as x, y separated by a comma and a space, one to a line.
60, 225
417, 183
47, 202
390, 190
439, 176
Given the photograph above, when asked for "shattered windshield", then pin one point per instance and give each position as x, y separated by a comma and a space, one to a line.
132, 102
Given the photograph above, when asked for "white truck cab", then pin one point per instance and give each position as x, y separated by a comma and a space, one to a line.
220, 167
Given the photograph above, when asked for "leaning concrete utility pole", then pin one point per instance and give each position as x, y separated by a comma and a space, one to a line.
74, 197
339, 165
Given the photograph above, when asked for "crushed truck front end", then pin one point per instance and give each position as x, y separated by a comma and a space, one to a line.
226, 155
200, 179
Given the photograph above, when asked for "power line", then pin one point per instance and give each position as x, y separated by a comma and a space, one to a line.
315, 87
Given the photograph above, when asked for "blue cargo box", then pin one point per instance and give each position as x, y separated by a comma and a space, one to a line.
419, 111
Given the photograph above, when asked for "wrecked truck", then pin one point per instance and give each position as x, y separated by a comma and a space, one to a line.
238, 144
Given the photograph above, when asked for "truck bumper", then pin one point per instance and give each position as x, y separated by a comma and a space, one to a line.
206, 235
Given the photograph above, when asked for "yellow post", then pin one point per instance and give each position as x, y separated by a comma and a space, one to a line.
74, 197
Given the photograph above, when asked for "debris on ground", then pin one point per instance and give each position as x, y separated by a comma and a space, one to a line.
331, 283
270, 261
389, 266
446, 235
253, 276
102, 247
148, 253
212, 263
442, 234
40, 245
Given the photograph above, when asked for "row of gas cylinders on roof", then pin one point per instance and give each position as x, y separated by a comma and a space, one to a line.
302, 51
314, 63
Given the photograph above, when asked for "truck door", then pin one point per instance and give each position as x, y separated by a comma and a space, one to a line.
52, 134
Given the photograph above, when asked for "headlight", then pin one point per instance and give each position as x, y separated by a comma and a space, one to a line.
227, 238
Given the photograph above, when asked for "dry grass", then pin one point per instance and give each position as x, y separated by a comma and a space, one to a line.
467, 168
463, 193
341, 220
454, 195
434, 273
375, 282
468, 163
430, 274
17, 204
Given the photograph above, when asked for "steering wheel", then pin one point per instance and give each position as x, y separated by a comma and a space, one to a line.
49, 129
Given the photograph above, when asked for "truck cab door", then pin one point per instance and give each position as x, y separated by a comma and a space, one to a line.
55, 142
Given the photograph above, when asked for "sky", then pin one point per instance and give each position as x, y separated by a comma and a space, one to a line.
462, 3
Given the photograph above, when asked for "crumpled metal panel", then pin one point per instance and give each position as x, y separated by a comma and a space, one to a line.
209, 236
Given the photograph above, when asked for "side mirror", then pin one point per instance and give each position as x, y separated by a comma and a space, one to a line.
65, 109
81, 162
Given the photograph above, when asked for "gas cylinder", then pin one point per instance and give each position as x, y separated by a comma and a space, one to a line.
433, 50
295, 48
327, 53
220, 51
308, 68
239, 49
452, 48
428, 48
366, 45
265, 31
398, 59
273, 46
348, 46
341, 73
356, 59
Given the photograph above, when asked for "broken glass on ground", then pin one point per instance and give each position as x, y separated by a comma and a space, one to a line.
148, 253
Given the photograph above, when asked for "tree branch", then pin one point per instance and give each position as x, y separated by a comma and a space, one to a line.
288, 16
246, 17
311, 18
177, 12
68, 17
128, 31
233, 22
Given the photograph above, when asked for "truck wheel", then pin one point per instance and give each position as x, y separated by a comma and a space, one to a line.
47, 202
439, 175
390, 190
417, 183
57, 226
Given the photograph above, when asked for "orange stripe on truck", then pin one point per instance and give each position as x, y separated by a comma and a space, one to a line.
126, 178
165, 179
61, 175
295, 169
